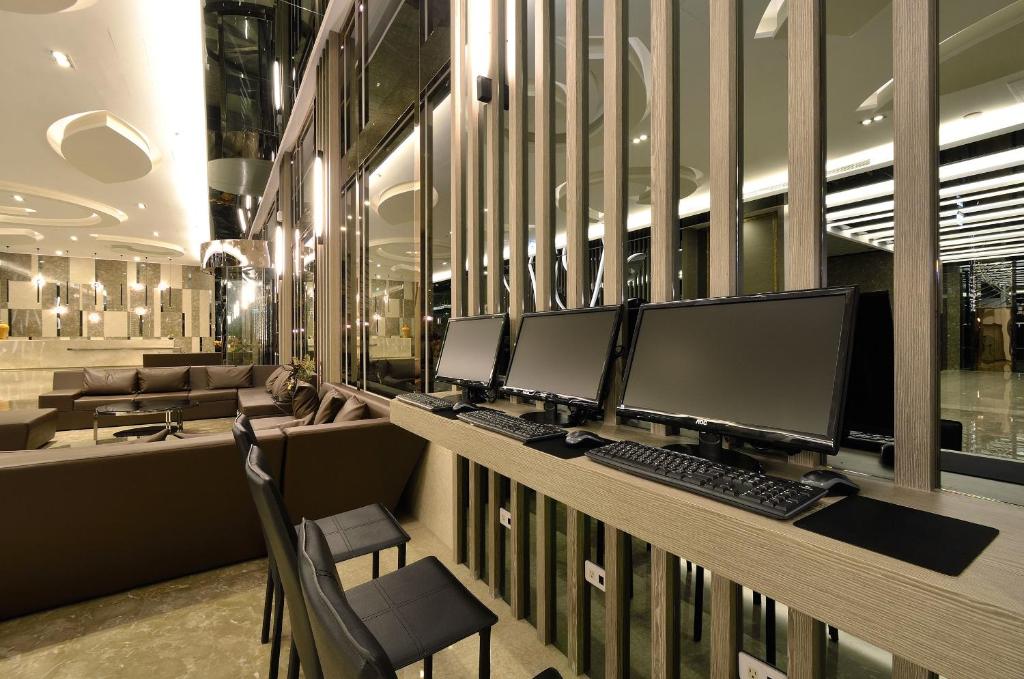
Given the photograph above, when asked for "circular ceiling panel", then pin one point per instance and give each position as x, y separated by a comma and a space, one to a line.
140, 246
103, 146
43, 6
240, 176
44, 207
13, 236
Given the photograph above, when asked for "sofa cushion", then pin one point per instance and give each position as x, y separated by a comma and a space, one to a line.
61, 399
153, 380
272, 380
330, 406
354, 409
161, 396
282, 390
27, 428
255, 402
281, 422
106, 381
90, 403
209, 395
306, 401
228, 376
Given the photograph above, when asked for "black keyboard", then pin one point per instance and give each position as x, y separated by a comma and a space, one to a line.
508, 425
865, 441
772, 496
425, 401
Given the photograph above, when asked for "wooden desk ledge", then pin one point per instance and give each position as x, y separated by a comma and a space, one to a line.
965, 627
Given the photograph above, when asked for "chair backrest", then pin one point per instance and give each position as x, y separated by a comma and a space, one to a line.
282, 544
346, 647
245, 436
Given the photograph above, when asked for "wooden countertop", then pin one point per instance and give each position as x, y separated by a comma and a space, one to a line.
968, 627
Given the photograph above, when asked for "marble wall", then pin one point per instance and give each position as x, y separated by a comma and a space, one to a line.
100, 298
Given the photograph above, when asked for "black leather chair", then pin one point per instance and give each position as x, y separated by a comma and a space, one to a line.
366, 530
374, 629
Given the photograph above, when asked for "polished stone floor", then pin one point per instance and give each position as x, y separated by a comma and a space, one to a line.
990, 405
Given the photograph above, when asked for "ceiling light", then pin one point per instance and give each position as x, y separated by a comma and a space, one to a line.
61, 59
636, 140
135, 258
248, 202
94, 317
156, 233
74, 238
19, 198
318, 195
877, 117
241, 220
276, 78
866, 121
142, 206
58, 252
28, 210
643, 137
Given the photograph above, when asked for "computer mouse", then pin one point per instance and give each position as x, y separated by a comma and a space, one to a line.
464, 407
830, 480
579, 437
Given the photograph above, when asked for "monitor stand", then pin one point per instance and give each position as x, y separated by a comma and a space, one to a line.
710, 448
560, 416
468, 395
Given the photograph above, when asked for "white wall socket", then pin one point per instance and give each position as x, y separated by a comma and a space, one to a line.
752, 668
593, 574
505, 517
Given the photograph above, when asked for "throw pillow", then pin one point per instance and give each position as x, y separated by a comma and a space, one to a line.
108, 381
355, 408
282, 393
272, 380
305, 403
229, 376
153, 380
330, 405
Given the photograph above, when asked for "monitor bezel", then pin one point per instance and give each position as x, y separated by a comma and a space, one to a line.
565, 399
789, 439
462, 382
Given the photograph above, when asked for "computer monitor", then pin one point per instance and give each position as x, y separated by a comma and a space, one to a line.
869, 390
764, 368
563, 358
469, 355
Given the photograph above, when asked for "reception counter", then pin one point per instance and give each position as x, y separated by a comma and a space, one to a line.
22, 353
964, 627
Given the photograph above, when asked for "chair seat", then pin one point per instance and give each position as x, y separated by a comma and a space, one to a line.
361, 531
418, 610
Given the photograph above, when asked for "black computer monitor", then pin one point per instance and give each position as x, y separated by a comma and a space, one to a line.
563, 358
469, 355
764, 368
869, 390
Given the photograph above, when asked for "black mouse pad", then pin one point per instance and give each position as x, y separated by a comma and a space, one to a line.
931, 541
559, 448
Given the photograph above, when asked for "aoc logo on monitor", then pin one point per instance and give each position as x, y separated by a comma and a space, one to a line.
701, 422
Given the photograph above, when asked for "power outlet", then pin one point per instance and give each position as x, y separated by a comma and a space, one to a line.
505, 518
593, 574
752, 668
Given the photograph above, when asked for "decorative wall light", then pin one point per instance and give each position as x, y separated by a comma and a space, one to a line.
39, 281
279, 251
278, 93
141, 311
318, 196
60, 310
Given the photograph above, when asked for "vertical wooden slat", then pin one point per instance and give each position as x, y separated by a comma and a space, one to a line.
494, 162
458, 509
726, 147
806, 636
494, 532
545, 569
916, 268
616, 601
664, 150
518, 179
474, 530
544, 149
804, 240
615, 170
284, 206
473, 186
726, 627
577, 144
332, 200
458, 231
519, 584
576, 594
904, 669
664, 614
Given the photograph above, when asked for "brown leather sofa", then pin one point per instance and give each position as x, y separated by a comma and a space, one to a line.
78, 523
75, 408
181, 359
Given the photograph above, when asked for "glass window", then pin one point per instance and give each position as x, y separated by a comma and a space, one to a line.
439, 307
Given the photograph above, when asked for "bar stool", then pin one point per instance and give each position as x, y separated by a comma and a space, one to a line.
372, 630
366, 530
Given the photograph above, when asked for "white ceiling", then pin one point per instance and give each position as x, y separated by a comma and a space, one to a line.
140, 60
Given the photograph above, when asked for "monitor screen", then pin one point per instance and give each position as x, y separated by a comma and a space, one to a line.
564, 356
470, 352
869, 389
767, 367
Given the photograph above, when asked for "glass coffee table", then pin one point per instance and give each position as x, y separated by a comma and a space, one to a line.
171, 408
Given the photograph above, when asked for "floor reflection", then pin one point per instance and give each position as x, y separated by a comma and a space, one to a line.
990, 405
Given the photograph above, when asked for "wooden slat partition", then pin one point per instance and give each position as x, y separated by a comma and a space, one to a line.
577, 144
459, 546
577, 597
616, 603
545, 569
726, 627
664, 140
544, 149
904, 669
473, 182
333, 219
495, 534
474, 525
806, 640
458, 96
518, 184
519, 583
664, 614
285, 280
916, 270
726, 146
493, 162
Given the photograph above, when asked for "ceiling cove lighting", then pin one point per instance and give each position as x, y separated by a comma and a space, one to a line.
61, 59
276, 75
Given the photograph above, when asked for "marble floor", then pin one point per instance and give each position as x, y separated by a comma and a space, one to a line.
990, 405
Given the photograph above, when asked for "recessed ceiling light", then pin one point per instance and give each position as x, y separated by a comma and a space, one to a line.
156, 233
636, 140
61, 59
643, 137
142, 206
74, 238
877, 117
19, 198
866, 121
28, 210
58, 252
135, 258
